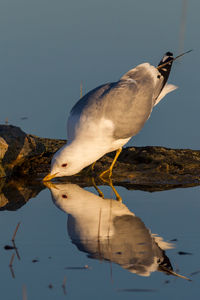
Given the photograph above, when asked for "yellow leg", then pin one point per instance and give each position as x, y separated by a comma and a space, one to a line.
118, 197
109, 182
97, 189
108, 173
92, 166
90, 169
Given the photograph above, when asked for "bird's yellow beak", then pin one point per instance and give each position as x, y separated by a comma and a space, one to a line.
49, 177
50, 185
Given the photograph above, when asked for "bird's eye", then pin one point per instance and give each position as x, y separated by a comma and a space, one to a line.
64, 196
64, 165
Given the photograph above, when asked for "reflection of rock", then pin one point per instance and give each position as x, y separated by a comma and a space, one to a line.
14, 194
106, 229
3, 199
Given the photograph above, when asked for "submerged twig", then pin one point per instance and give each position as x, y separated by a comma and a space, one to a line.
64, 286
98, 235
24, 293
11, 260
137, 290
15, 248
16, 229
78, 268
195, 273
11, 264
81, 89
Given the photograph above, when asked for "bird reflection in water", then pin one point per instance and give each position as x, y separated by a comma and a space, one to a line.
107, 230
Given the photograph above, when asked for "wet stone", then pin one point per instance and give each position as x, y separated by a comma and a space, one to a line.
150, 168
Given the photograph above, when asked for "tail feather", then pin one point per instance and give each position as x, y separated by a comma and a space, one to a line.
167, 89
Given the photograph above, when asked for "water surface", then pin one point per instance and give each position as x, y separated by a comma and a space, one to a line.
46, 49
102, 247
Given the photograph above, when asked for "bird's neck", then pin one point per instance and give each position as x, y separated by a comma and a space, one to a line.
85, 152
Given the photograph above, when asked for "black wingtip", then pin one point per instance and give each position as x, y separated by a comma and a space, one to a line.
166, 61
169, 53
168, 57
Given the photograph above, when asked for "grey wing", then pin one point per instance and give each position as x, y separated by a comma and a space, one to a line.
89, 98
127, 103
90, 105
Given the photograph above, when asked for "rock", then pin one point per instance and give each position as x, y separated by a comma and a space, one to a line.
17, 147
3, 147
146, 168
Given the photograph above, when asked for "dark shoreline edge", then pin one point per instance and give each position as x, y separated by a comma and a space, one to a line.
26, 157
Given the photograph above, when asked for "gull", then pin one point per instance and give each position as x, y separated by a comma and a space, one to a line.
107, 117
107, 230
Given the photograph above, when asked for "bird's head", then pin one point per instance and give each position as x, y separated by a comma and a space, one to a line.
65, 162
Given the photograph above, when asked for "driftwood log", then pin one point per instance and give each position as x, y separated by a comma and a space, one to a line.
25, 160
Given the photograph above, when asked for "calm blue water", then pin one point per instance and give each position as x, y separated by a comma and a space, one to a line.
46, 49
43, 235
